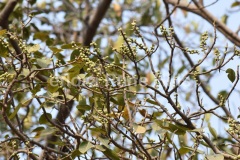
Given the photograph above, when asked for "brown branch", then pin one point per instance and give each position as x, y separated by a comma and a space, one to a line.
202, 12
178, 3
87, 38
5, 13
94, 21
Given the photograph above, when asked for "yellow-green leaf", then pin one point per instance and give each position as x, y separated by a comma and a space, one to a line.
139, 129
111, 154
33, 48
212, 130
118, 43
44, 62
85, 146
55, 49
2, 32
24, 103
185, 149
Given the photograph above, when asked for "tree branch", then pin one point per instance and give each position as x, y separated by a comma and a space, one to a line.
94, 21
5, 13
202, 12
87, 37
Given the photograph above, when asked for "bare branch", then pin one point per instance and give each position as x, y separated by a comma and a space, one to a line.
202, 12
94, 21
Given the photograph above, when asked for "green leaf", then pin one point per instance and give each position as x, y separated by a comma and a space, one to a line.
224, 18
188, 95
231, 74
235, 4
69, 96
74, 55
118, 43
120, 100
2, 32
100, 148
58, 142
69, 46
50, 41
152, 102
25, 72
44, 62
15, 111
116, 59
171, 127
55, 50
33, 48
208, 116
212, 131
43, 36
55, 94
38, 129
139, 129
23, 103
85, 146
104, 141
3, 51
52, 85
215, 157
146, 17
185, 149
49, 103
97, 131
163, 62
222, 94
75, 153
114, 101
75, 71
43, 119
180, 70
84, 107
43, 132
156, 127
111, 154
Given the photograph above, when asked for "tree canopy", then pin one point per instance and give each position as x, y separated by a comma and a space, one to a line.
123, 79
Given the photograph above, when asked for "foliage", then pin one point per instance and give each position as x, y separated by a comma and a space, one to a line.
135, 92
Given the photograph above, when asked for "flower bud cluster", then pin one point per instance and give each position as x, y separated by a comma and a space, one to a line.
6, 76
217, 54
195, 74
4, 43
193, 51
136, 29
234, 128
23, 47
163, 31
203, 41
237, 52
84, 56
197, 140
222, 100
